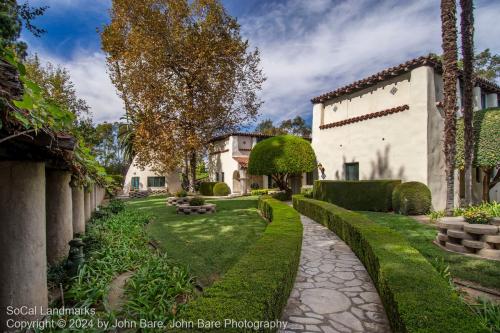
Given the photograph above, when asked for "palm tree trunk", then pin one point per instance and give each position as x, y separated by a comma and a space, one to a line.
467, 30
449, 44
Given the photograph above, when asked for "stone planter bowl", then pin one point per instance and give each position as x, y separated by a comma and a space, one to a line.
175, 201
204, 209
459, 236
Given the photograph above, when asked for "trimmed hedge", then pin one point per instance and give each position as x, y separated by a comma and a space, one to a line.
416, 298
207, 188
221, 189
371, 195
411, 198
257, 287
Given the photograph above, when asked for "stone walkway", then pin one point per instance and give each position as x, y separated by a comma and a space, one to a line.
332, 292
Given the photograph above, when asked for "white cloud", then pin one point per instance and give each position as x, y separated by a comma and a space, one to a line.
311, 47
92, 83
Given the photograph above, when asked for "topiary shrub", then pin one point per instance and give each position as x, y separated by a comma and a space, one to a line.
207, 188
196, 201
263, 191
370, 195
221, 189
282, 156
410, 288
411, 198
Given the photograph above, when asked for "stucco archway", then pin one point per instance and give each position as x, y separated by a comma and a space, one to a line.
236, 182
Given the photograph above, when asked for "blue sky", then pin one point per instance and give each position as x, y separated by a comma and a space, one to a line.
307, 46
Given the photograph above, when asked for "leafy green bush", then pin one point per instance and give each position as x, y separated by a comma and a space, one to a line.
196, 201
411, 198
257, 287
282, 196
307, 191
115, 206
476, 216
282, 156
416, 298
207, 188
260, 192
489, 209
181, 194
221, 189
117, 244
370, 195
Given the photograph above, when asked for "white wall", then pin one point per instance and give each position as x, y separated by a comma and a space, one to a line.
393, 146
172, 180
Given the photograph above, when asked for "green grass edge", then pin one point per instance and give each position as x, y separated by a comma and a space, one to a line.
257, 287
415, 297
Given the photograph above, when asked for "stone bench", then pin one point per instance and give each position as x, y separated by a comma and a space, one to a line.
459, 236
204, 209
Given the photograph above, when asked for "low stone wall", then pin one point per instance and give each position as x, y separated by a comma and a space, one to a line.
138, 194
205, 209
459, 236
176, 201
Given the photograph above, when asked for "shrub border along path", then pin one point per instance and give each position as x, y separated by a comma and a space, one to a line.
257, 287
332, 288
416, 298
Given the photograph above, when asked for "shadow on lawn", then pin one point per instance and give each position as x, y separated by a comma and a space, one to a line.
208, 244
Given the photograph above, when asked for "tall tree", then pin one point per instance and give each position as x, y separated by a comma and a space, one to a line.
467, 31
12, 17
449, 44
186, 73
487, 65
296, 126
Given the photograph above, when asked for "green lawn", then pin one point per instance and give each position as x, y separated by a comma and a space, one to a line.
484, 272
208, 244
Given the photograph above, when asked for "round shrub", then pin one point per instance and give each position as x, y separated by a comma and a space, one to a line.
221, 189
411, 198
282, 156
196, 201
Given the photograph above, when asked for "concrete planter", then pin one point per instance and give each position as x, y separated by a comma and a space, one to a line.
204, 209
176, 201
459, 236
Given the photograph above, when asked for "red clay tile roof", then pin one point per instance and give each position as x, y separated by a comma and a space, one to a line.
366, 117
242, 160
396, 71
227, 135
251, 134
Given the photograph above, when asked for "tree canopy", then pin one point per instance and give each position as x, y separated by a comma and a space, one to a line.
486, 146
295, 126
198, 77
282, 156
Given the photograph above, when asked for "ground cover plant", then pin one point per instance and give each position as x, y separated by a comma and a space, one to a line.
482, 271
116, 243
208, 244
483, 210
415, 296
257, 287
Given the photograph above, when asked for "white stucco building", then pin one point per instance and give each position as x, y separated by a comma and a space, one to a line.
228, 162
147, 179
389, 125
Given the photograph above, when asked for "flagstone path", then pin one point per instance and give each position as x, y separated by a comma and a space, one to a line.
332, 292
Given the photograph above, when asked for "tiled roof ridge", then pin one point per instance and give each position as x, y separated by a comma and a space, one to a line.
366, 116
429, 60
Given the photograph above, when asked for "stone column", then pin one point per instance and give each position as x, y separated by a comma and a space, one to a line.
23, 263
86, 204
78, 201
92, 199
59, 214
